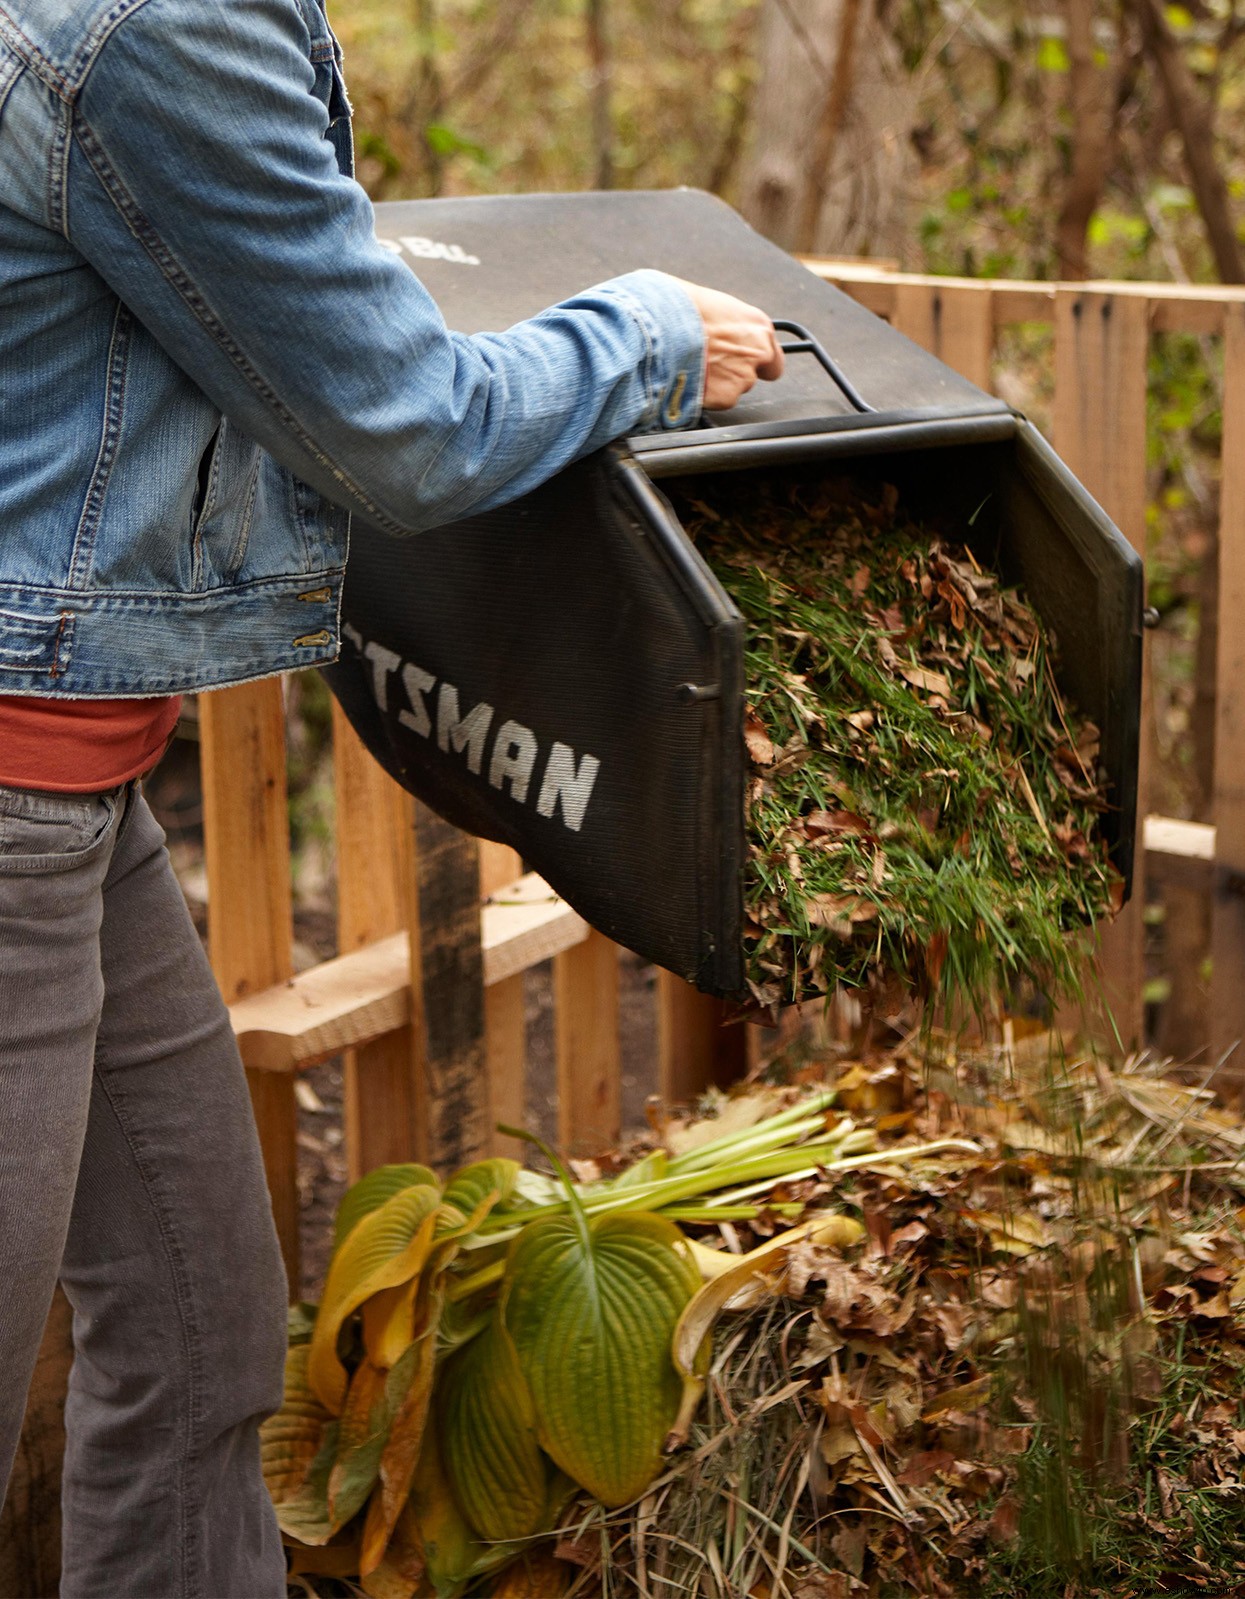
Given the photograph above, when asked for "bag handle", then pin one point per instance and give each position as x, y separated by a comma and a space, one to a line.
806, 342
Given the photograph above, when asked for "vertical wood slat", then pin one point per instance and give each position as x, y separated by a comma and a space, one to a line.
695, 1050
1228, 906
447, 995
1101, 348
954, 323
375, 866
586, 1045
505, 1027
247, 845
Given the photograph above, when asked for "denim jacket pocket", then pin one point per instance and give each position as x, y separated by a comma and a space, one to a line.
33, 646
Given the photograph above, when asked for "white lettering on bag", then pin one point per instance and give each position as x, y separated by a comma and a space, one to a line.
417, 683
463, 732
568, 779
433, 250
514, 755
563, 782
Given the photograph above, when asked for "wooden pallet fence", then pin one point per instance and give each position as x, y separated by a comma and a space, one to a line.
1101, 339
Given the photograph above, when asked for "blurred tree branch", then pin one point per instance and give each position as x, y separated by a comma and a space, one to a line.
1192, 116
599, 91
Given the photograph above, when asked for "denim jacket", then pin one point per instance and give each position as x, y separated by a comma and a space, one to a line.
208, 365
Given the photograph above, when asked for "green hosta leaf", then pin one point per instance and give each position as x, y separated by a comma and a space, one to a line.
300, 1322
461, 1321
290, 1441
453, 1553
305, 1515
489, 1448
649, 1170
385, 1249
371, 1192
485, 1180
591, 1307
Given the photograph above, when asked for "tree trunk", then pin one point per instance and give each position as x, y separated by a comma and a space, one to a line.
1091, 105
1191, 115
830, 154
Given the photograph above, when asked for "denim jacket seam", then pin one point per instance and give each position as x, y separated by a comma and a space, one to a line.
184, 286
110, 434
88, 51
29, 51
238, 554
109, 599
65, 82
648, 328
654, 377
58, 173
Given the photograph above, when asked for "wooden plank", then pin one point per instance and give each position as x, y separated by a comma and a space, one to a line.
695, 1050
447, 995
346, 1003
523, 924
375, 874
1228, 908
1190, 841
1101, 348
585, 997
1173, 307
955, 322
247, 846
505, 1017
341, 1004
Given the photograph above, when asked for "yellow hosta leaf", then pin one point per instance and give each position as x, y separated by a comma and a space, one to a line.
290, 1440
389, 1323
372, 1191
696, 1322
591, 1307
489, 1449
402, 1446
387, 1248
485, 1182
391, 1318
400, 1574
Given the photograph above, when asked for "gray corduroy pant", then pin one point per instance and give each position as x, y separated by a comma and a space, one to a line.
130, 1170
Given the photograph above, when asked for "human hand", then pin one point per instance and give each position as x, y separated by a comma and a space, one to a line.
740, 345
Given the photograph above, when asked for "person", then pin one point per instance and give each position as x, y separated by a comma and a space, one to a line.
210, 370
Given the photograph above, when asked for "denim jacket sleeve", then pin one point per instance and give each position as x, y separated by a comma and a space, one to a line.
200, 185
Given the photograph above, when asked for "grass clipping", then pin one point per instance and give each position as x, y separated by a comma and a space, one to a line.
922, 804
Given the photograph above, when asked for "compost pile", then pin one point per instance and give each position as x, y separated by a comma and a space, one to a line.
974, 1321
922, 802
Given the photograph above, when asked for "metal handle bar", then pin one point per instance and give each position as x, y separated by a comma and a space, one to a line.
805, 341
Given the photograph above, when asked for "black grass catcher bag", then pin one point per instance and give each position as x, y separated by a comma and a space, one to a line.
565, 675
